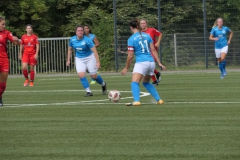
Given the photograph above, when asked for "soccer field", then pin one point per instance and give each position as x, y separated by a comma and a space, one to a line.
53, 120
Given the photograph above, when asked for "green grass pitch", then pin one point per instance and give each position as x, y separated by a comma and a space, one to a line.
53, 120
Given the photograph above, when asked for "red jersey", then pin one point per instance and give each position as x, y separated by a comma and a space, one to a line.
153, 33
5, 35
29, 43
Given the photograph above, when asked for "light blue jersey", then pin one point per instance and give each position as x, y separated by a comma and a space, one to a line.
82, 47
91, 36
140, 44
221, 34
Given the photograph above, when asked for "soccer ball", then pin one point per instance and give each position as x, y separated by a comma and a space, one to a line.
114, 96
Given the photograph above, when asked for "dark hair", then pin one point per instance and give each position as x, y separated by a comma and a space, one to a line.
1, 18
79, 26
29, 25
90, 31
135, 23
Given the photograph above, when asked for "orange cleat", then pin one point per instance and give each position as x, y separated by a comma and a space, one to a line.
31, 84
26, 83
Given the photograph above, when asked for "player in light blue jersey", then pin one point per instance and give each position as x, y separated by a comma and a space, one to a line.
88, 32
141, 45
219, 35
86, 57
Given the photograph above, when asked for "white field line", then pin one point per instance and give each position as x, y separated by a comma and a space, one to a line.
143, 94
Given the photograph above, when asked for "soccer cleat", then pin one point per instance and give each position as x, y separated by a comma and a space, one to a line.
160, 102
88, 94
26, 83
133, 104
155, 83
31, 84
93, 82
104, 89
221, 76
1, 102
158, 75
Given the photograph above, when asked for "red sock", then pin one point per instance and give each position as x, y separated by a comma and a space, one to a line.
25, 73
155, 71
32, 76
2, 88
153, 78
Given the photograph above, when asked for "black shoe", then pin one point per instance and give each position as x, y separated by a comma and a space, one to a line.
1, 103
155, 83
158, 75
88, 94
104, 89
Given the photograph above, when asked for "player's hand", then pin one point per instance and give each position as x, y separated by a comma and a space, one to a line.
68, 63
15, 38
215, 39
157, 45
98, 65
124, 71
20, 57
163, 67
229, 42
36, 56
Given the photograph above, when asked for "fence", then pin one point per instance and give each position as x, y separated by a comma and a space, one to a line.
179, 50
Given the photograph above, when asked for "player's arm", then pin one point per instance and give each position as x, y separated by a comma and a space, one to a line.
37, 51
153, 50
128, 62
230, 36
159, 40
94, 50
96, 42
16, 41
20, 52
70, 50
212, 38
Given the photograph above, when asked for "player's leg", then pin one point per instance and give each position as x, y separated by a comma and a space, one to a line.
223, 59
220, 66
25, 61
158, 75
4, 69
139, 71
32, 64
91, 66
155, 79
81, 69
149, 87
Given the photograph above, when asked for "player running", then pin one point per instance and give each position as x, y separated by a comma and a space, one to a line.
219, 35
29, 48
88, 32
5, 35
86, 58
153, 34
141, 45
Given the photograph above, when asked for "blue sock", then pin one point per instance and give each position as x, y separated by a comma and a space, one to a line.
220, 67
223, 64
152, 90
135, 91
84, 82
99, 79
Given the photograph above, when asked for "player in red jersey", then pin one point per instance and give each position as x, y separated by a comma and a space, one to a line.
30, 48
5, 35
153, 34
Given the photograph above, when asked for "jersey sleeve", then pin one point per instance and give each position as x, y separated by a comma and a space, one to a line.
70, 44
22, 40
156, 32
149, 39
130, 45
36, 40
212, 31
228, 29
10, 36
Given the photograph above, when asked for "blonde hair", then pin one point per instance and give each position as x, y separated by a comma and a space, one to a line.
215, 23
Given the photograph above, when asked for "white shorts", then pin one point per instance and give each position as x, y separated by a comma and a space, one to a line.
88, 63
219, 51
144, 68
